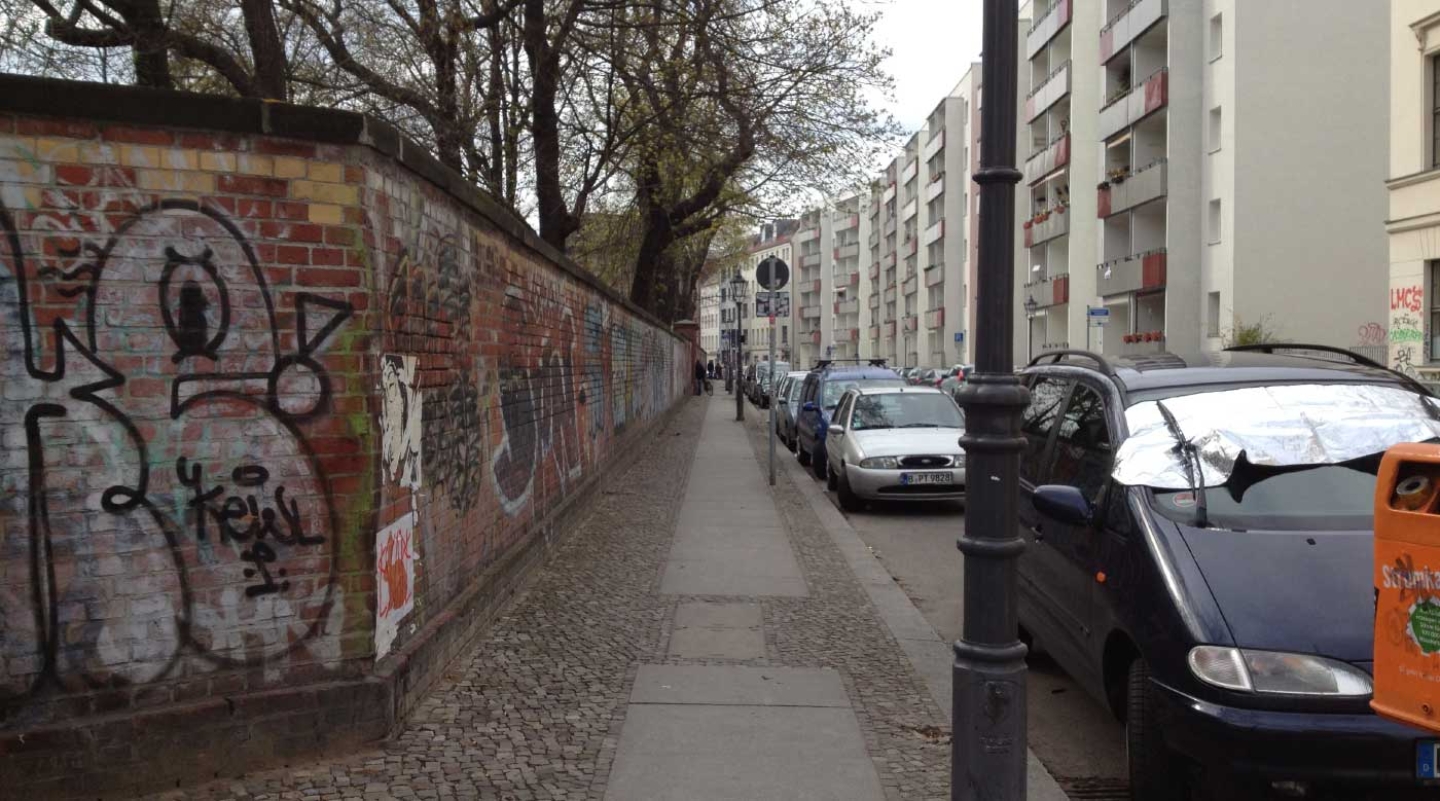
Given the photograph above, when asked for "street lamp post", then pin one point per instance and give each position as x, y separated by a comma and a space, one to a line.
1030, 308
737, 293
988, 742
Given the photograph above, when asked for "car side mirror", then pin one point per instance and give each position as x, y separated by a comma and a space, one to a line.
1065, 504
836, 429
809, 407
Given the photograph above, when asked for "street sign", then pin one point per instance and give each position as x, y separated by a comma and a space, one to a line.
772, 273
764, 302
959, 336
1098, 315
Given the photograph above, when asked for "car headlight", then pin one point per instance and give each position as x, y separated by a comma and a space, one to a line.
880, 463
1274, 673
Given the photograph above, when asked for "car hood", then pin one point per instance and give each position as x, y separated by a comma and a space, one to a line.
906, 441
1299, 591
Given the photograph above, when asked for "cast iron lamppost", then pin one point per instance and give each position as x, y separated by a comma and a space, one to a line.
737, 294
1030, 308
988, 745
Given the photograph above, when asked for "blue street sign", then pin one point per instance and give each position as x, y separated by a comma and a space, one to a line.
959, 336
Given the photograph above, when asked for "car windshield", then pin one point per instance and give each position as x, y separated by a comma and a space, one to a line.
905, 410
836, 387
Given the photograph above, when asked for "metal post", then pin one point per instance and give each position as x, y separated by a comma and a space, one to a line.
988, 744
774, 383
739, 371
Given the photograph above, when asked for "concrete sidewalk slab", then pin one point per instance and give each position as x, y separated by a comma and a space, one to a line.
739, 685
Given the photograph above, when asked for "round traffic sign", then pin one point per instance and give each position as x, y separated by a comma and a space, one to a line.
772, 273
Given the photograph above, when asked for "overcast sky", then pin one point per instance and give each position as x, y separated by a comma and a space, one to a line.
931, 42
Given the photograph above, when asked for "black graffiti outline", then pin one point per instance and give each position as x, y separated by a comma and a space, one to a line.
208, 347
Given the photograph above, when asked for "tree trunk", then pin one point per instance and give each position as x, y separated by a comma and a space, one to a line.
266, 50
149, 52
556, 224
648, 259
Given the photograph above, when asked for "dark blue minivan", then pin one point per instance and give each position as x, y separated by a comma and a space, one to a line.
1229, 626
819, 396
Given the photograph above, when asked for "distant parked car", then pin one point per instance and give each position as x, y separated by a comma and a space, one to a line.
896, 443
787, 396
818, 398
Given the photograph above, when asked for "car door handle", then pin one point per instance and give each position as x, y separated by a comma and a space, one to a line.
1038, 532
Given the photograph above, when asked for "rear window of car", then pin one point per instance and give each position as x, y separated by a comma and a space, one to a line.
839, 385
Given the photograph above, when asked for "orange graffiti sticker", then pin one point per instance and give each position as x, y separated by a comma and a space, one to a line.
395, 557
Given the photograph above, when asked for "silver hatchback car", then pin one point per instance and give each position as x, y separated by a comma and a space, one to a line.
896, 443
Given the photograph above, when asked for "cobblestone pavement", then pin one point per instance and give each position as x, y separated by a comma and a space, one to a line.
536, 711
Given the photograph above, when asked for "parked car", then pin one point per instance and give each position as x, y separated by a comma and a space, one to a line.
1221, 607
767, 374
912, 375
818, 397
895, 443
786, 405
955, 377
930, 377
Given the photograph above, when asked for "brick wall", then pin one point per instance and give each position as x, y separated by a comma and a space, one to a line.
287, 410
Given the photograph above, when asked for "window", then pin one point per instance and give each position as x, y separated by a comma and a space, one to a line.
1434, 321
1046, 395
1435, 111
1215, 222
1215, 128
1083, 458
1212, 314
1217, 36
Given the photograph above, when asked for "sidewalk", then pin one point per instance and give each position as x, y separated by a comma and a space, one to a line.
698, 638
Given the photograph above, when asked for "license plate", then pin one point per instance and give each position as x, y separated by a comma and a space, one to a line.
1427, 757
909, 479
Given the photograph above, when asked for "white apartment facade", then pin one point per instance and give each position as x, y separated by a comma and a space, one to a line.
1411, 329
758, 331
1232, 147
849, 223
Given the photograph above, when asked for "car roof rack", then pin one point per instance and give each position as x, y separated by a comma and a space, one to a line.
1350, 355
820, 363
1056, 355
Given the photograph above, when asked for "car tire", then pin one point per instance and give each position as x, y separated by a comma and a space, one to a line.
849, 501
830, 482
1154, 774
817, 463
802, 455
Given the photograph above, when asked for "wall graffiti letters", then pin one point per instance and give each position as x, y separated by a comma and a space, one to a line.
1410, 298
395, 558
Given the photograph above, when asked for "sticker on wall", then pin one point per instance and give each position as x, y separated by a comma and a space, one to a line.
395, 558
400, 420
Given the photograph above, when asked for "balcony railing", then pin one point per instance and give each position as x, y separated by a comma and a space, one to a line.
909, 209
888, 329
846, 335
890, 259
874, 302
935, 145
910, 322
1040, 231
844, 222
815, 287
912, 246
1052, 291
935, 188
849, 251
1138, 273
810, 260
1128, 25
815, 338
1053, 157
874, 270
935, 275
890, 226
934, 232
889, 194
911, 285
1145, 99
810, 312
874, 238
935, 318
847, 307
1047, 28
805, 235
890, 295
874, 333
1134, 190
911, 170
1055, 87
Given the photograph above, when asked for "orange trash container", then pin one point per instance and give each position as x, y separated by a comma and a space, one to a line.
1407, 588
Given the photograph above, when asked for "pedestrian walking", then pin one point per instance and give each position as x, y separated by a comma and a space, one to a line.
710, 368
699, 377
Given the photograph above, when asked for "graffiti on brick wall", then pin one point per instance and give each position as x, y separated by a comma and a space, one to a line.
395, 557
159, 489
400, 420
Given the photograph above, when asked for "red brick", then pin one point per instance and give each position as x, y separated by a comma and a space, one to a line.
292, 254
30, 126
202, 140
252, 185
316, 276
285, 147
138, 136
289, 210
74, 174
292, 232
329, 257
335, 235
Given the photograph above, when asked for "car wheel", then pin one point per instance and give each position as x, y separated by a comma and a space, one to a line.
1154, 774
849, 501
830, 482
802, 455
817, 463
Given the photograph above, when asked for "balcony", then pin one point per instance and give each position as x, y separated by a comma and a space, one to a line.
912, 246
911, 285
911, 170
849, 251
1129, 25
1055, 225
888, 329
935, 318
874, 238
1138, 273
1137, 189
890, 260
935, 188
934, 232
934, 146
844, 222
815, 287
805, 235
845, 335
851, 280
1052, 158
1052, 291
810, 312
815, 338
874, 333
888, 195
934, 275
847, 307
909, 209
1047, 28
910, 323
890, 295
890, 226
874, 270
810, 260
1055, 87
874, 302
1136, 105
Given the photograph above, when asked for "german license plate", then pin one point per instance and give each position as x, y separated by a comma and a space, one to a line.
1427, 757
912, 479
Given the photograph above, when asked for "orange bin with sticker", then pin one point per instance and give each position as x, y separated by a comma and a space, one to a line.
1407, 586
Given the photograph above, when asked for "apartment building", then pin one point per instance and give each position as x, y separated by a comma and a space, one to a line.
1232, 147
849, 223
950, 156
1411, 329
782, 240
